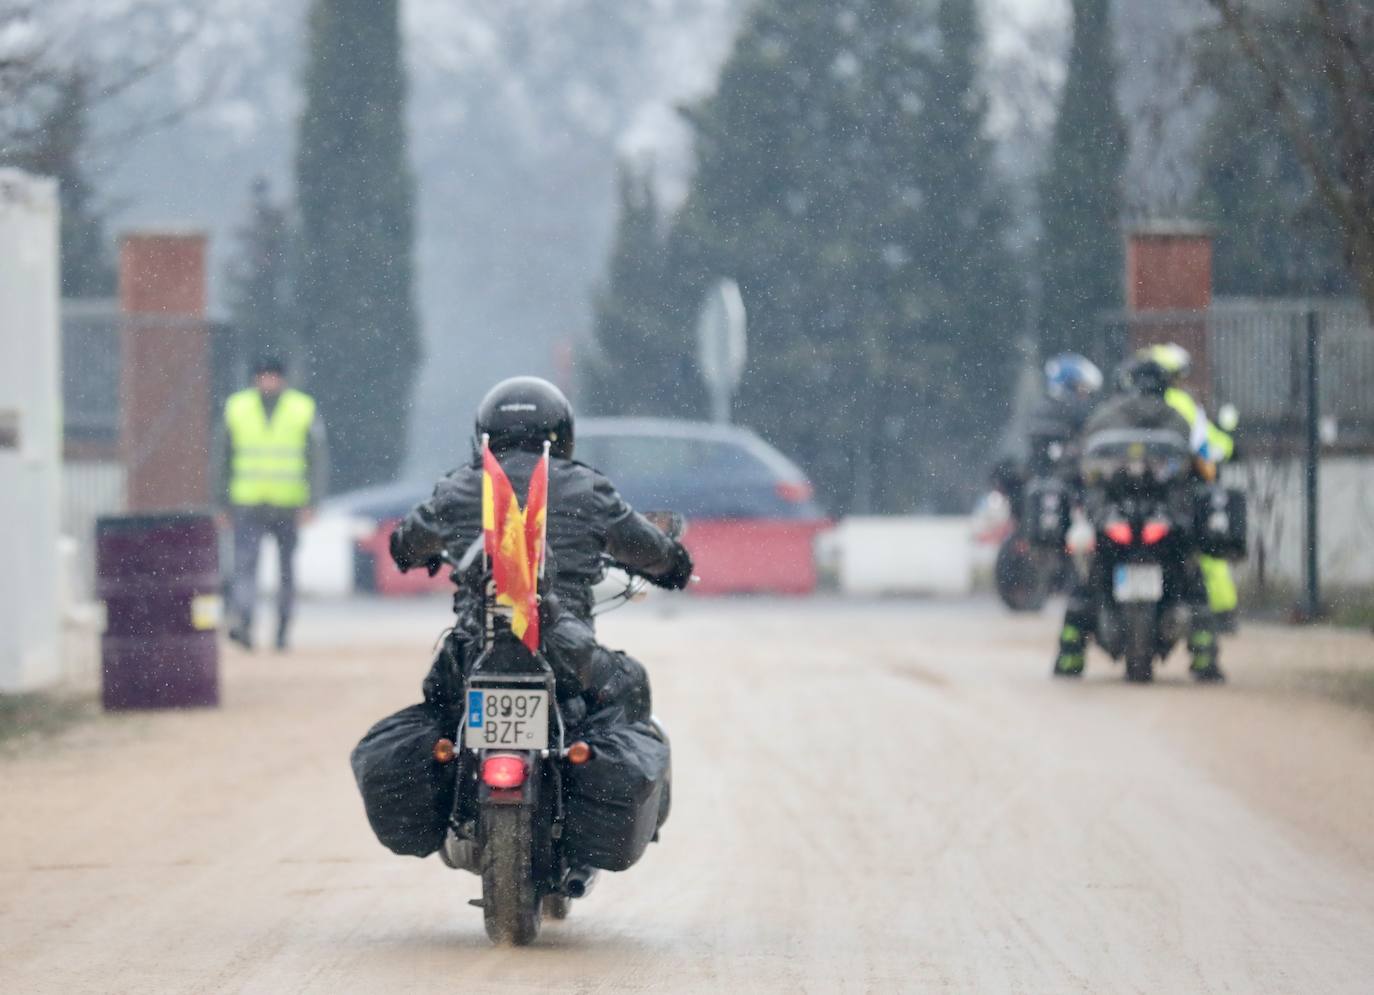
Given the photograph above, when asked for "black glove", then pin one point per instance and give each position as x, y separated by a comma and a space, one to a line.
679, 575
398, 556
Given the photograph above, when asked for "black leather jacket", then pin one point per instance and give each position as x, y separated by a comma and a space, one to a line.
587, 518
1053, 432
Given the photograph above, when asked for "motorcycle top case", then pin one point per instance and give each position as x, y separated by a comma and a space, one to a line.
407, 793
1219, 515
614, 799
1046, 511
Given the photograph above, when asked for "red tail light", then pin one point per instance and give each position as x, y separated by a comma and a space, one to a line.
503, 771
1153, 532
1118, 532
794, 491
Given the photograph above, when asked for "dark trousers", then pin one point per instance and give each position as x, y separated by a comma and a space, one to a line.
251, 526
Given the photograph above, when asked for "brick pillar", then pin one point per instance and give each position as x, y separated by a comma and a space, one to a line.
1168, 288
165, 373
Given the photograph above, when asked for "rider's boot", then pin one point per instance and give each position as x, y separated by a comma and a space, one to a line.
1202, 644
242, 631
1072, 651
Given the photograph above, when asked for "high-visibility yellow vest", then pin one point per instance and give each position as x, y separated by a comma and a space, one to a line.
1206, 439
269, 455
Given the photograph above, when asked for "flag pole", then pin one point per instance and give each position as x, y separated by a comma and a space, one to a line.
486, 448
544, 529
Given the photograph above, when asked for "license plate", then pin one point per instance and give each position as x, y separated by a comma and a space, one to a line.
501, 718
1138, 582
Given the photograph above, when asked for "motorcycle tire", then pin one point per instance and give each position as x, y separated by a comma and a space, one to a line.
1020, 576
510, 899
1140, 643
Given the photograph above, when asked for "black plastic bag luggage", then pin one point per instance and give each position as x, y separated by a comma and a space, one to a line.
1045, 515
408, 795
1221, 522
614, 801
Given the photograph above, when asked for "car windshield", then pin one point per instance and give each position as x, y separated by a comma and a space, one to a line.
658, 456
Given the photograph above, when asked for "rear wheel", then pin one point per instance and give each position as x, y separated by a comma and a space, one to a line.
1021, 575
1140, 642
510, 900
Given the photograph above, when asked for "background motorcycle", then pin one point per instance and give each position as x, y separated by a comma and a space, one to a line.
1025, 572
1141, 501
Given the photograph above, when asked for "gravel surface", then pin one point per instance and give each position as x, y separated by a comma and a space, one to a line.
868, 796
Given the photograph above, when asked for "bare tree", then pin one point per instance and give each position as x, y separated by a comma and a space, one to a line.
39, 62
26, 75
1315, 59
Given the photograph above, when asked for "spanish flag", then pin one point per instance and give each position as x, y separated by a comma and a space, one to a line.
515, 541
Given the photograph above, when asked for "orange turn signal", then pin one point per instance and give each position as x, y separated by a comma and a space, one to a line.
579, 753
444, 751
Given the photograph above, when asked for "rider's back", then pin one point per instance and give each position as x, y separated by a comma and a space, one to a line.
1142, 411
587, 518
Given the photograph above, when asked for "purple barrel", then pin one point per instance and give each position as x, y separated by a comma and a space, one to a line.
159, 578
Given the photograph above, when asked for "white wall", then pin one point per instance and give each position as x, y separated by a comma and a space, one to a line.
30, 411
90, 489
1345, 522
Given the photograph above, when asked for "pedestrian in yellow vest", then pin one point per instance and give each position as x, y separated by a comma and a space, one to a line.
271, 467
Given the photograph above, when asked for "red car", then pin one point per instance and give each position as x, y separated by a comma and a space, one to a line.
753, 520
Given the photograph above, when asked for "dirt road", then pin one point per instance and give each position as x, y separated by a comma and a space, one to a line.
868, 797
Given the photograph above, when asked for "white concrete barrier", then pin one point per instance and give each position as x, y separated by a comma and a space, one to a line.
904, 555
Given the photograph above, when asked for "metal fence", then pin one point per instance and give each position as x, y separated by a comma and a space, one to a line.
90, 373
1256, 355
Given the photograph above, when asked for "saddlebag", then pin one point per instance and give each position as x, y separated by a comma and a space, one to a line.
1219, 515
1045, 512
408, 795
614, 799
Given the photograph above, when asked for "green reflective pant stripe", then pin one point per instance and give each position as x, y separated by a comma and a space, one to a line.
1221, 586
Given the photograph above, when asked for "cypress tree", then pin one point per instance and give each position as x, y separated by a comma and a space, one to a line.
842, 179
354, 191
260, 279
977, 306
1080, 202
641, 363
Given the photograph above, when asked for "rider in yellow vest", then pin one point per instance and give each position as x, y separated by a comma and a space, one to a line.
1213, 446
271, 463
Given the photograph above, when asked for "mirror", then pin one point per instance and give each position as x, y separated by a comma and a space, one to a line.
673, 524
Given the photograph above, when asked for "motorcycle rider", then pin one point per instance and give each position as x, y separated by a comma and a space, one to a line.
1140, 404
1072, 384
587, 519
1213, 445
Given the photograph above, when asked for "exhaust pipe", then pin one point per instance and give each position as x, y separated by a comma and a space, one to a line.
579, 881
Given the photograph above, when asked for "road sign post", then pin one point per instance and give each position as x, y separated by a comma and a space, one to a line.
721, 345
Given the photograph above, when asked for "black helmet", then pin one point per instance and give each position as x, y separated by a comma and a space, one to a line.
1145, 376
524, 412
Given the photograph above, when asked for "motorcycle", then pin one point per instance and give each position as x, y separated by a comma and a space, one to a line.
514, 757
1142, 503
1026, 572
